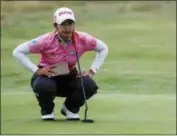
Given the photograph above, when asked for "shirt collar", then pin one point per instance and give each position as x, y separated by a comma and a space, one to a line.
62, 41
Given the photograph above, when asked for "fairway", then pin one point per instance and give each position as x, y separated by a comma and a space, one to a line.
137, 82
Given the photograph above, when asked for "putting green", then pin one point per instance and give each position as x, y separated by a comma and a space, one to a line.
113, 113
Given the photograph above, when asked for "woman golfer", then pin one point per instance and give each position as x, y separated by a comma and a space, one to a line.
56, 74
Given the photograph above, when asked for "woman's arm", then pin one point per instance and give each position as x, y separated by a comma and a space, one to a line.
102, 51
20, 53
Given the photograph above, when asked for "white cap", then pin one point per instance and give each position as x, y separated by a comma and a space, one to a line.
63, 14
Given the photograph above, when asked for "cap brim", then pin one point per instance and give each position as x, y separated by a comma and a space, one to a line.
65, 18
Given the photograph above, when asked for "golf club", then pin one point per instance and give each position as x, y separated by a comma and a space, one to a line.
85, 120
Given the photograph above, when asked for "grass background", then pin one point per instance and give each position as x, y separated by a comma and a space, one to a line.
137, 80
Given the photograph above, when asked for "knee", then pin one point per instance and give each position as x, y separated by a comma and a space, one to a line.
90, 86
44, 84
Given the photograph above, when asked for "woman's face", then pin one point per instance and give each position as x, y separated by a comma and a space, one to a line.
65, 29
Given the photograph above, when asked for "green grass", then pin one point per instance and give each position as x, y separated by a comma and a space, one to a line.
137, 80
119, 114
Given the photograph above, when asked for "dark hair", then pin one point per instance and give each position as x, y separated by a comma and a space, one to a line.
55, 24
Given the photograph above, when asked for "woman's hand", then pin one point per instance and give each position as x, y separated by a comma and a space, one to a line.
89, 73
47, 71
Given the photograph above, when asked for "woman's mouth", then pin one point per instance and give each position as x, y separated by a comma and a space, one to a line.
67, 32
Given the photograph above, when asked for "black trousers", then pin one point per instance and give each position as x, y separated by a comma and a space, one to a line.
69, 86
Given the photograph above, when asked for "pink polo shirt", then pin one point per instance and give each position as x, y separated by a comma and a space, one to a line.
52, 51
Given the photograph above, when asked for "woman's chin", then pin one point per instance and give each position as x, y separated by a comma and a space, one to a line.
66, 36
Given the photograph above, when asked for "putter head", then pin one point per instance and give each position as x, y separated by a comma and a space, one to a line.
88, 121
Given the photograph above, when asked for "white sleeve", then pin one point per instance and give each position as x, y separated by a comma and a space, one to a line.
20, 53
102, 51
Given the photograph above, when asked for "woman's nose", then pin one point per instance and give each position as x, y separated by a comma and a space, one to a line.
67, 26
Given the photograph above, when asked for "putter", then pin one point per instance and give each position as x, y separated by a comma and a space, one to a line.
85, 120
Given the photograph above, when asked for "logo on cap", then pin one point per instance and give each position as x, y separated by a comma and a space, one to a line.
65, 12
